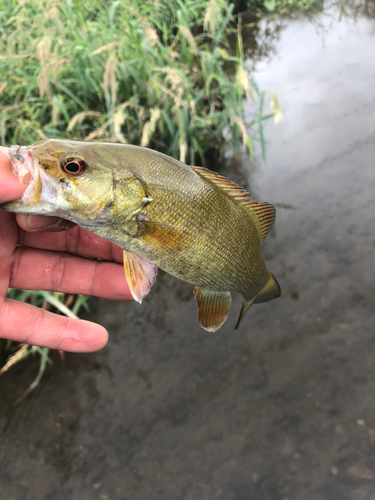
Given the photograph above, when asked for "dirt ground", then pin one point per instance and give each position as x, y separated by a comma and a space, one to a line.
282, 408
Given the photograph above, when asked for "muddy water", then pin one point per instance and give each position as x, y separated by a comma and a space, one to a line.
284, 407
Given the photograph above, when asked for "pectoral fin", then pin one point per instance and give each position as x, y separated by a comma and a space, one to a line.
271, 290
213, 308
140, 274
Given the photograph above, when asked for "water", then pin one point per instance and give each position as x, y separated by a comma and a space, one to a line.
282, 408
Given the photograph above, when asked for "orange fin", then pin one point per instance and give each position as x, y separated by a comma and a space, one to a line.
264, 212
139, 273
161, 235
271, 290
213, 308
226, 185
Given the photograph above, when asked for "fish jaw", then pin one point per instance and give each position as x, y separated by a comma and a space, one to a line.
50, 192
41, 194
22, 162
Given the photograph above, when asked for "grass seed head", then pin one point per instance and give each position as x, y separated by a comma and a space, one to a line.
43, 52
243, 80
150, 126
189, 37
109, 79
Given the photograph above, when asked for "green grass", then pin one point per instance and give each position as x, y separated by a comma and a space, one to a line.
157, 74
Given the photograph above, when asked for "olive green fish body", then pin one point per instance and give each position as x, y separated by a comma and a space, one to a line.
188, 221
217, 245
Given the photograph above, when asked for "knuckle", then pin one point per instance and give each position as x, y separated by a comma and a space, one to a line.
58, 273
14, 267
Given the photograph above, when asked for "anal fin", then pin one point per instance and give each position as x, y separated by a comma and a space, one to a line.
271, 290
213, 308
139, 273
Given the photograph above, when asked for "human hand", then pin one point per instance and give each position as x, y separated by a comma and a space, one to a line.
53, 261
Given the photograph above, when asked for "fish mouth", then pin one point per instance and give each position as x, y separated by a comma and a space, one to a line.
41, 192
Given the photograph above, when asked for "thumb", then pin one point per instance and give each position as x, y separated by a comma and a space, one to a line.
10, 187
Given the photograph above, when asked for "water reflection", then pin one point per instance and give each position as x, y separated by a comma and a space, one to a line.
355, 9
260, 39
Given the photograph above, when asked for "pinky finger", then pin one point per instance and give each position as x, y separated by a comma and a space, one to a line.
25, 323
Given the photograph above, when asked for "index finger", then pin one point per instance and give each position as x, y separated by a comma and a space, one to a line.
25, 323
77, 241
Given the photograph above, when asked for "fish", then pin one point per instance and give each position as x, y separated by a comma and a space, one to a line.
189, 221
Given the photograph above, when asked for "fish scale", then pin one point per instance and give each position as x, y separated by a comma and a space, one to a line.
191, 222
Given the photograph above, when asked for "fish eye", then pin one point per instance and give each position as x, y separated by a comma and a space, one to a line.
73, 165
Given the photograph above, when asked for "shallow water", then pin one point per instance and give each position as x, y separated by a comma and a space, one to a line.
282, 408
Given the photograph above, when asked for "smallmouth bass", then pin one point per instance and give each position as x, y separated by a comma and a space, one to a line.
193, 223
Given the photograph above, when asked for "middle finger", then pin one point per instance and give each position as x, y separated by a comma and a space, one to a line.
57, 271
76, 241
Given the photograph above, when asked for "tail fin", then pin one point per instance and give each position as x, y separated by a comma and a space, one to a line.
271, 290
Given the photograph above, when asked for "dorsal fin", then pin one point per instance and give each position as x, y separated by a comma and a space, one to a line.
226, 185
264, 212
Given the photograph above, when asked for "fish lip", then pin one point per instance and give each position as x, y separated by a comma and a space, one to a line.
22, 163
40, 191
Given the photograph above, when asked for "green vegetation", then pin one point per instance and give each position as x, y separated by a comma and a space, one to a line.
157, 74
